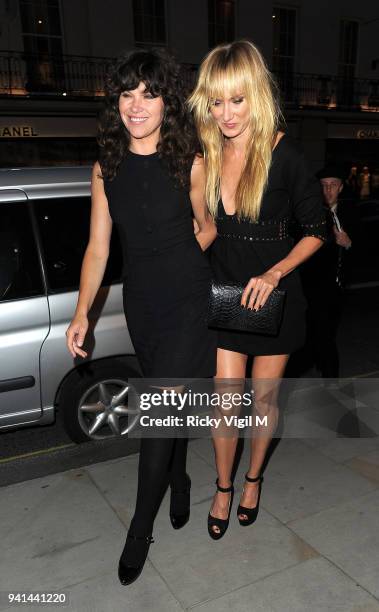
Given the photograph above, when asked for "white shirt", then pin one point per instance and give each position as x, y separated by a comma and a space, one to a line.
336, 220
333, 210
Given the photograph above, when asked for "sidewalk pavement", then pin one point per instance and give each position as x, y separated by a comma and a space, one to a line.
314, 548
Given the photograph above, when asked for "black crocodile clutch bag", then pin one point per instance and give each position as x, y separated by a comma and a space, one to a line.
225, 310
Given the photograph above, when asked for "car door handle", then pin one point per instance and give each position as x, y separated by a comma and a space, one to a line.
13, 384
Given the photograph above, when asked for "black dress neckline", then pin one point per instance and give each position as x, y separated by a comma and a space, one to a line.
273, 151
148, 155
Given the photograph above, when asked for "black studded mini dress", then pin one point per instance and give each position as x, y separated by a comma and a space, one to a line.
243, 249
166, 274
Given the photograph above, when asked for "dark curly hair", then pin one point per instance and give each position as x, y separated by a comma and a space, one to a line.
161, 76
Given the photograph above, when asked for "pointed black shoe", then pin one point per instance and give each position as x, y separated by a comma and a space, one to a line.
251, 513
133, 557
180, 506
222, 524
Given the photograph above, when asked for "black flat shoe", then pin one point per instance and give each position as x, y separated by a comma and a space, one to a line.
222, 524
133, 557
180, 506
251, 513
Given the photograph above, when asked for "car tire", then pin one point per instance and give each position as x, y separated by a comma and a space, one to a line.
89, 405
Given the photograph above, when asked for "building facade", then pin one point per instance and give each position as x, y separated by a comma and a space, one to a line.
54, 54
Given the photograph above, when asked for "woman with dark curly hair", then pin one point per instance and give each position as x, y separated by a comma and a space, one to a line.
148, 181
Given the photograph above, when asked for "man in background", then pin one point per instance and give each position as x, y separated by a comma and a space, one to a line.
326, 273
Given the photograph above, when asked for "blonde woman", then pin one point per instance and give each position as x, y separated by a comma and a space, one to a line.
257, 182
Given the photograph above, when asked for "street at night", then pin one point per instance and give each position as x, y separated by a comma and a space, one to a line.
189, 299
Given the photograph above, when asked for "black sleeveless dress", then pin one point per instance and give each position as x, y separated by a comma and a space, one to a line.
166, 274
243, 249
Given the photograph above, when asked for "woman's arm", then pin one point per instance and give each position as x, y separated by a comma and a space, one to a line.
94, 263
206, 232
304, 249
307, 208
261, 286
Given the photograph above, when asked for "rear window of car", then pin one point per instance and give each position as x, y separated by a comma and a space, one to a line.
64, 229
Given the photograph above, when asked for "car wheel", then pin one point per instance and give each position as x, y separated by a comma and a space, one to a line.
94, 403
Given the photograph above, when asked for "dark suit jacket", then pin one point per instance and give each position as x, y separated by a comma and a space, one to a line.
329, 268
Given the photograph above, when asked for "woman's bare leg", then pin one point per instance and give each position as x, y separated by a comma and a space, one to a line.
266, 373
230, 365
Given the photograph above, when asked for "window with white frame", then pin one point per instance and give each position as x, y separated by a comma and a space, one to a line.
42, 38
221, 20
284, 39
41, 26
149, 22
348, 48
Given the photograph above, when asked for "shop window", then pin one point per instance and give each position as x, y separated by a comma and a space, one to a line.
22, 152
221, 19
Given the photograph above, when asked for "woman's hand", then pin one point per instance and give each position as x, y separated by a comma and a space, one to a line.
259, 288
75, 334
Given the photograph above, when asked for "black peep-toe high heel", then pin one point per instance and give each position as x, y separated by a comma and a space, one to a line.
251, 513
222, 524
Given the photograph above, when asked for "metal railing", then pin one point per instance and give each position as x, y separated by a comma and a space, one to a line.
68, 75
329, 92
81, 76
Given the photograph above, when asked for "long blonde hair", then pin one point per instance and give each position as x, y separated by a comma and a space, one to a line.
237, 68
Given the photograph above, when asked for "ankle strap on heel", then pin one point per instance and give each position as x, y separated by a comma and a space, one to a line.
224, 489
260, 477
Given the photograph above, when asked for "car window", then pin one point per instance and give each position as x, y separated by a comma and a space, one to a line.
64, 229
20, 270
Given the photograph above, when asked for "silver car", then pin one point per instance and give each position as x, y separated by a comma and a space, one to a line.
44, 227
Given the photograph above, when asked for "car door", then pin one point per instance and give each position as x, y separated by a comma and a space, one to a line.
24, 314
63, 227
